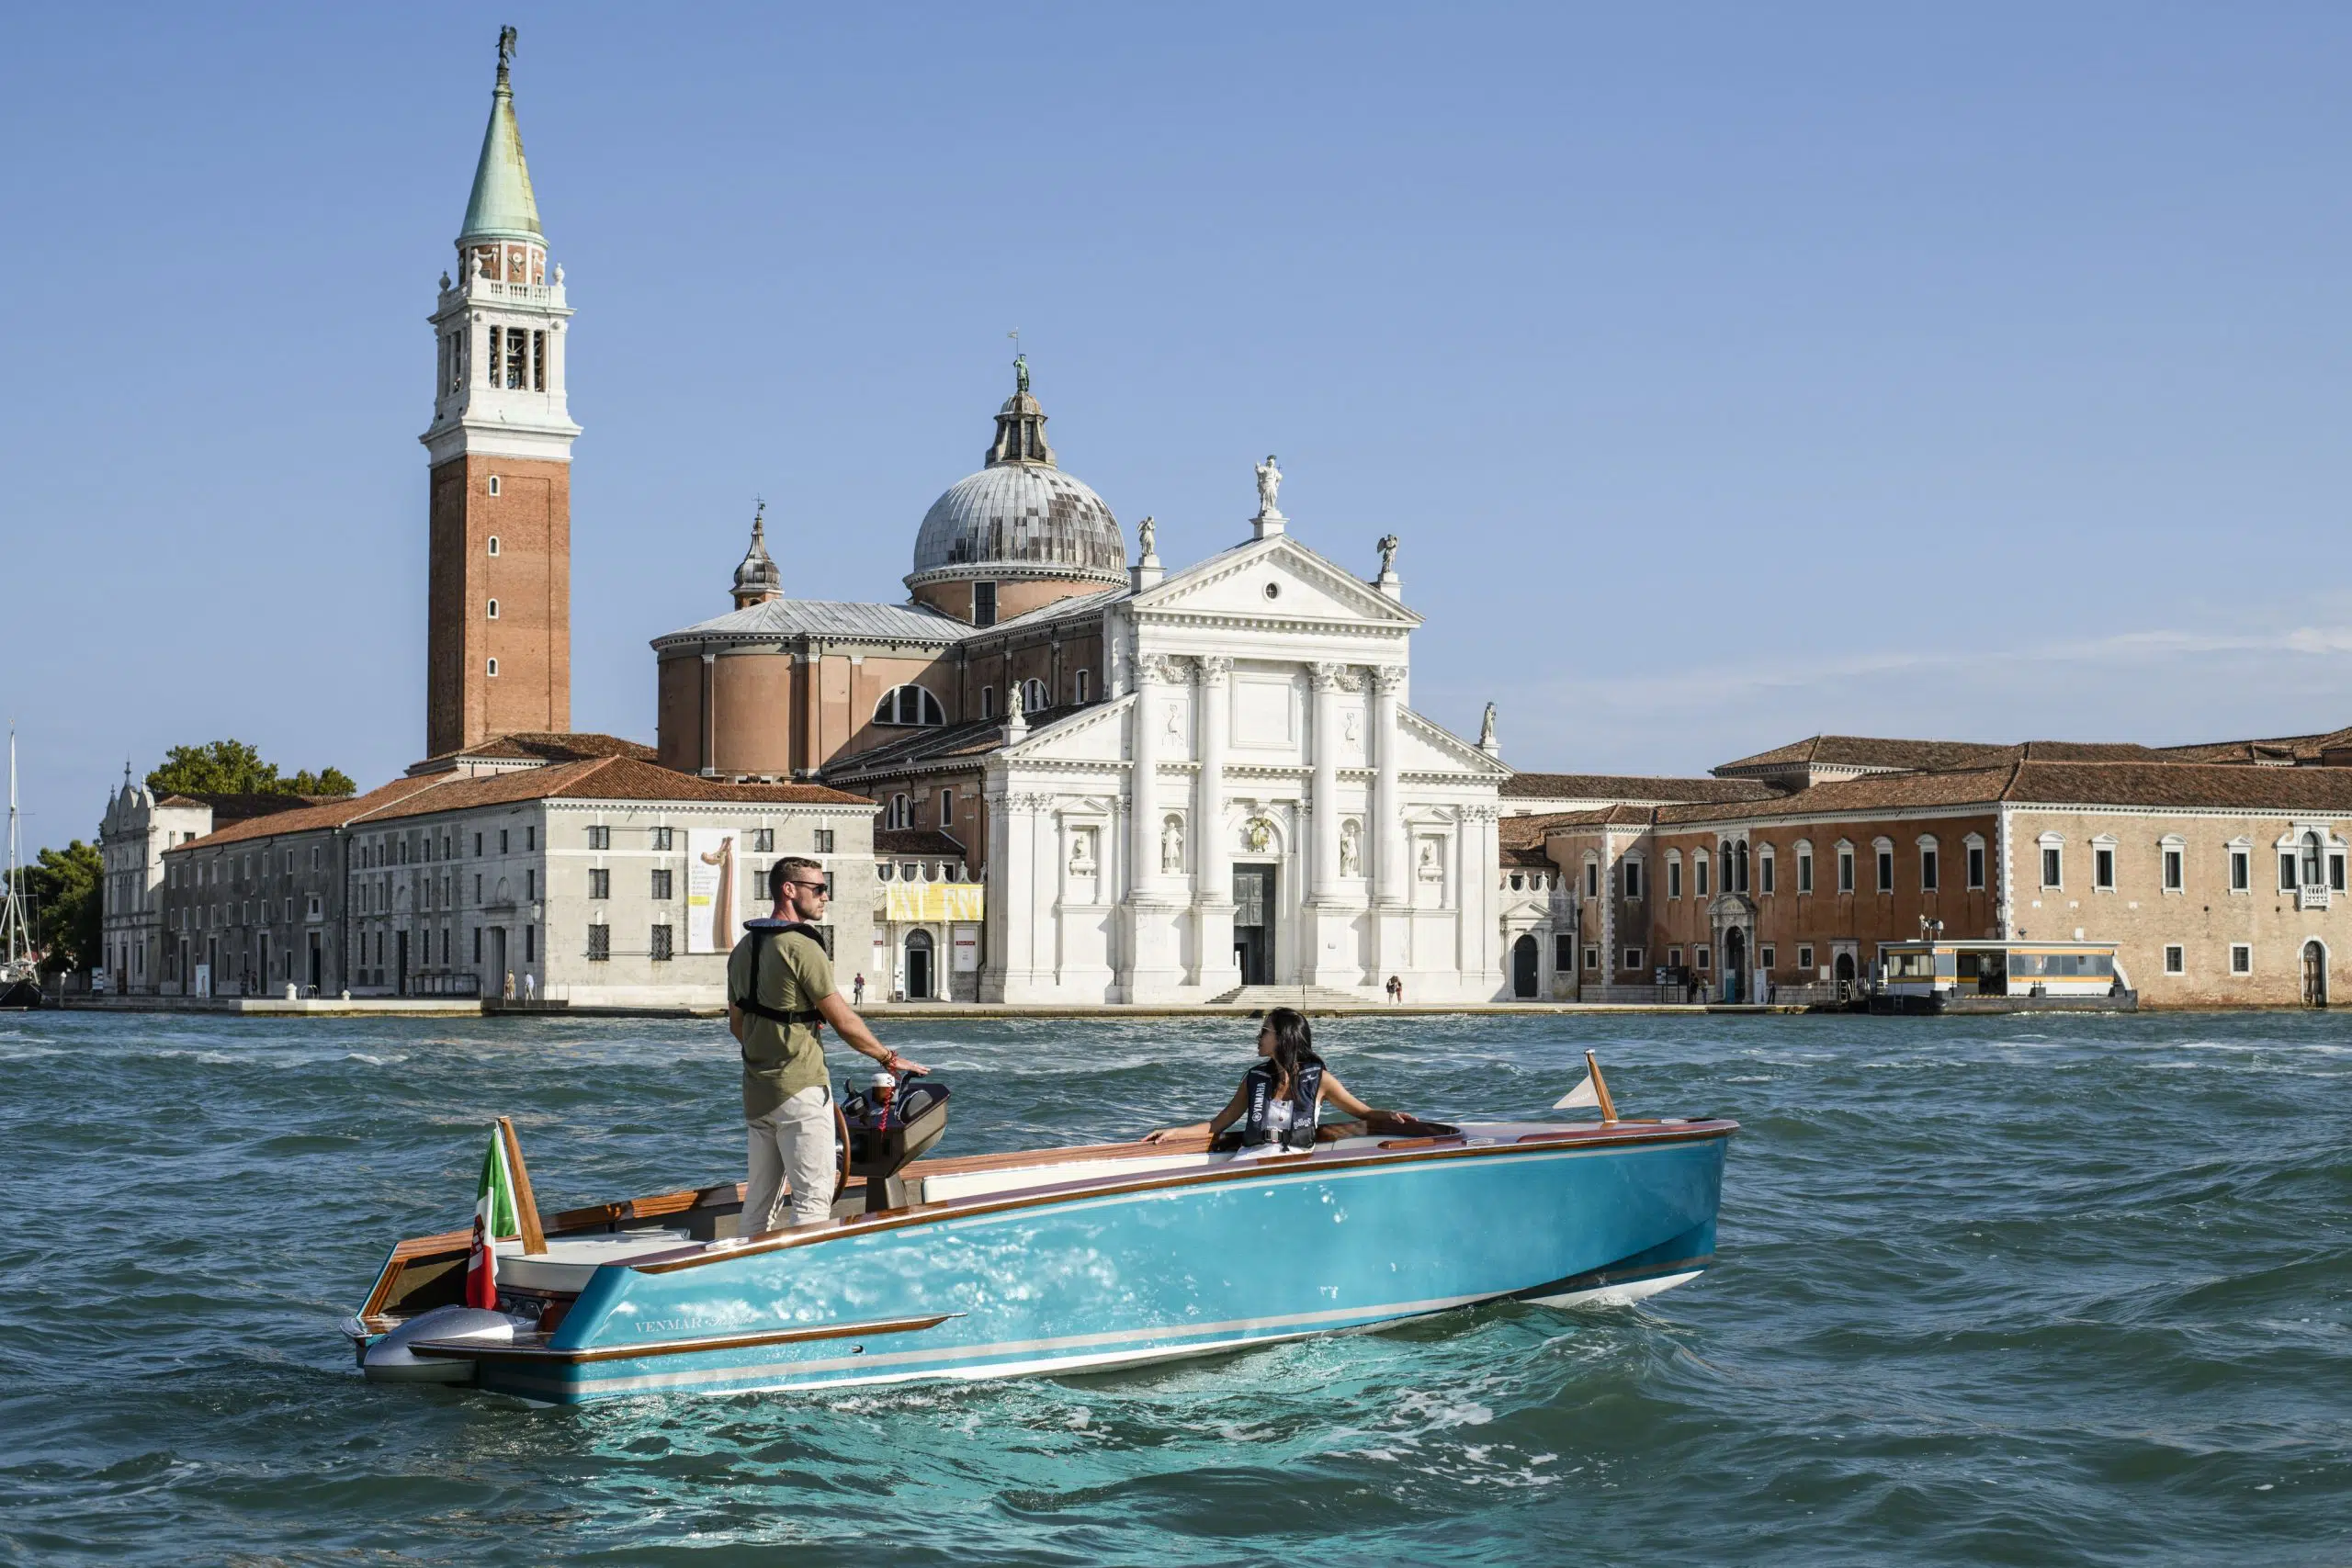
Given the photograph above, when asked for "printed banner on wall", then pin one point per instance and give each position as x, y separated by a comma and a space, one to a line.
710, 889
916, 901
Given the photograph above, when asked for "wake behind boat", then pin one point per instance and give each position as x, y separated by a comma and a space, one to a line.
1051, 1260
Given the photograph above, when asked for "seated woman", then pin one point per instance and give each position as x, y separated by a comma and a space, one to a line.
1280, 1099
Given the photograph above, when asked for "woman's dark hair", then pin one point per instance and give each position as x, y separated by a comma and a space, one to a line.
1293, 1045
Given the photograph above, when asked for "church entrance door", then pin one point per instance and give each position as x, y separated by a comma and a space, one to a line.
918, 967
1253, 923
1524, 962
1734, 966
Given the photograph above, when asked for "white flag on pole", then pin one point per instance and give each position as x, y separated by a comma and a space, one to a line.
1583, 1094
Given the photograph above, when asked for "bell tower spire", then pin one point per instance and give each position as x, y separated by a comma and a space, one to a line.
498, 645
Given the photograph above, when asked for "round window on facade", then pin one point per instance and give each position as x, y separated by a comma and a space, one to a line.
1273, 590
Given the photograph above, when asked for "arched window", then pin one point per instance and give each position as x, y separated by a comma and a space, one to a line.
493, 609
1034, 697
2313, 874
908, 704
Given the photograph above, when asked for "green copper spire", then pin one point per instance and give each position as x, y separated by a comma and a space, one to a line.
502, 207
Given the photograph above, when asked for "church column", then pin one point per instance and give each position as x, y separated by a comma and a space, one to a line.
1388, 868
1323, 877
1143, 822
1208, 802
1213, 895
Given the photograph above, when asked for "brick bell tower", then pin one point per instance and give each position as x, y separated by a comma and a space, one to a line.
498, 643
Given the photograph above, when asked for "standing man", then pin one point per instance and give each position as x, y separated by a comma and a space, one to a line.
780, 995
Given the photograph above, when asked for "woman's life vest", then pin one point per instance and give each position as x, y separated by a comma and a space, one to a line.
1288, 1121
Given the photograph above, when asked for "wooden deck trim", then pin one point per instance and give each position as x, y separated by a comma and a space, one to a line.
478, 1350
1623, 1134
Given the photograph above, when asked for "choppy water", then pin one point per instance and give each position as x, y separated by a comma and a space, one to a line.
1995, 1291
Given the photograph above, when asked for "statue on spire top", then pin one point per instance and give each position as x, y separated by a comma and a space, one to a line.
506, 37
1020, 374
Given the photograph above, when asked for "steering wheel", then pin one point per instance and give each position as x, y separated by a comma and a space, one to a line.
841, 1149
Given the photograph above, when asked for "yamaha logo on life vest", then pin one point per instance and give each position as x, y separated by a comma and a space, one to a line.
1304, 1091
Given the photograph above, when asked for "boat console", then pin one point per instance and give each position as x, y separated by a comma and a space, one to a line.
887, 1127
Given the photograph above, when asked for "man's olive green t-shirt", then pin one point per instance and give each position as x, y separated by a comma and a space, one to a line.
793, 975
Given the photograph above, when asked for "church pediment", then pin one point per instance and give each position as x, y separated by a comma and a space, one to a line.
1096, 734
1427, 747
1305, 587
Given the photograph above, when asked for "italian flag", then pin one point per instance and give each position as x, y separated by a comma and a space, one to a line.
494, 1216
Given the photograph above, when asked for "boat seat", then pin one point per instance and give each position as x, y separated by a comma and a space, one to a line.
569, 1260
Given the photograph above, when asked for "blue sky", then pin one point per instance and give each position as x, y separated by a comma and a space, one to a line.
1730, 373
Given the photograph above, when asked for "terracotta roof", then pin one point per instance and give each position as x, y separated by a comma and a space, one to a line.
597, 778
1607, 817
1864, 752
2302, 749
541, 746
2187, 785
237, 807
1521, 837
928, 842
1622, 786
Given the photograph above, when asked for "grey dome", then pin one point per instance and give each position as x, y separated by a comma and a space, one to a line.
1020, 516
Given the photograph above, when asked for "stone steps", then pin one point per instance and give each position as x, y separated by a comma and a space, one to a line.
1290, 997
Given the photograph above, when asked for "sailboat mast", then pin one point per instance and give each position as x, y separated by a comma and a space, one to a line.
12, 906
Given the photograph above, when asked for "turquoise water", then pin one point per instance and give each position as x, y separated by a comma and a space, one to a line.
2017, 1290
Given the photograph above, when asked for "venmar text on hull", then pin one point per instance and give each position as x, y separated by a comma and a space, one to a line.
1058, 1261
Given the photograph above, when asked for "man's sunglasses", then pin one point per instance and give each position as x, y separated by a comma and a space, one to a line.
812, 886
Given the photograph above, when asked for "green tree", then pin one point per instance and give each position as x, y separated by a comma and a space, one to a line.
232, 767
62, 886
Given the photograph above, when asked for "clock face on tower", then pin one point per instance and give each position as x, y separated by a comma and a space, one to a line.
515, 269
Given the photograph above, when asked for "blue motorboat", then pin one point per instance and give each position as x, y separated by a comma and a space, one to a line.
1055, 1260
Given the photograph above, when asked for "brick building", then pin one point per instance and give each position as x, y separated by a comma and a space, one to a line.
2221, 881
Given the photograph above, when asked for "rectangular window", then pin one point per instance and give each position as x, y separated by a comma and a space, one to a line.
2052, 867
2103, 870
660, 951
1886, 871
2241, 958
1592, 958
2176, 959
1592, 879
824, 845
1764, 875
2287, 871
531, 837
2173, 870
1845, 871
1767, 957
502, 841
1634, 959
600, 944
1975, 867
477, 945
1633, 880
1563, 953
600, 837
1699, 878
1804, 871
530, 944
763, 841
600, 883
984, 604
946, 808
987, 702
661, 883
2336, 873
2241, 871
1804, 959
1930, 873
477, 843
1702, 958
1085, 685
1674, 958
530, 885
662, 837
1674, 879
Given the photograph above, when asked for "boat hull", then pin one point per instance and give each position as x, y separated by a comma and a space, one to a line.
1067, 1280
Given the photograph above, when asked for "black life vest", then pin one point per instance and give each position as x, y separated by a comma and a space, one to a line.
766, 928
1306, 1088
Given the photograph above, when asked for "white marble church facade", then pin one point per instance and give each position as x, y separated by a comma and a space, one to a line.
1256, 804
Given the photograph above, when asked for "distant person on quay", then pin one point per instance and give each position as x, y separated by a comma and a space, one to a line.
780, 995
858, 990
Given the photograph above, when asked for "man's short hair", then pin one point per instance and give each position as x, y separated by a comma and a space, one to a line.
787, 870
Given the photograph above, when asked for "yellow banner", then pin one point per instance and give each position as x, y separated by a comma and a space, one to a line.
915, 901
